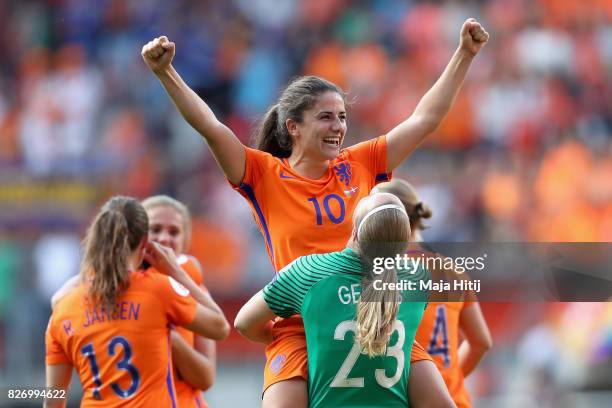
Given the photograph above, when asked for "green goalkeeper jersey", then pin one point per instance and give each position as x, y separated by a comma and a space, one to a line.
325, 290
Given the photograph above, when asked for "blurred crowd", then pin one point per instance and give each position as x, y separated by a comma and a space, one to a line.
525, 154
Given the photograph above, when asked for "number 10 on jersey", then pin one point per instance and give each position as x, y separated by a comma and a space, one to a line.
328, 211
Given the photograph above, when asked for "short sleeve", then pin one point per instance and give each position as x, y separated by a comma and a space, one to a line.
193, 268
180, 307
54, 353
418, 353
285, 294
373, 155
257, 162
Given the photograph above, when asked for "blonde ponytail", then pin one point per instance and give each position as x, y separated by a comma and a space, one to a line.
376, 313
381, 234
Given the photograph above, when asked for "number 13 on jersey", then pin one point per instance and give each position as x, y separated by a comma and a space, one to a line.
115, 347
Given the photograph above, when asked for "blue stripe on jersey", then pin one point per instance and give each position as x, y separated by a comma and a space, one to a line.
248, 190
169, 383
198, 403
380, 177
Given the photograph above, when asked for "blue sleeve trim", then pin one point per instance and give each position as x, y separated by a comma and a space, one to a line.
248, 190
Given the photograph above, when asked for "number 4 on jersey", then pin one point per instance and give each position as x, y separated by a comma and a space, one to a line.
439, 337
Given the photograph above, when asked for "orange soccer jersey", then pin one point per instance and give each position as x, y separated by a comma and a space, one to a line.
186, 395
299, 216
124, 355
439, 332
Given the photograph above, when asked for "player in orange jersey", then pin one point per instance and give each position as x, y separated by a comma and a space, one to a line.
442, 321
301, 186
113, 328
193, 357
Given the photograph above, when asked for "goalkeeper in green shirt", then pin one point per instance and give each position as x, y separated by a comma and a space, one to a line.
360, 317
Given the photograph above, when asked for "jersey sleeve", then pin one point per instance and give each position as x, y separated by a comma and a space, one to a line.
180, 307
193, 268
54, 353
373, 155
286, 293
257, 162
418, 353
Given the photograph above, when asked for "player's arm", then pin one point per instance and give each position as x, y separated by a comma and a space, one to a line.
197, 364
58, 377
254, 320
209, 323
209, 319
208, 350
477, 338
192, 363
426, 388
282, 297
64, 290
225, 146
436, 103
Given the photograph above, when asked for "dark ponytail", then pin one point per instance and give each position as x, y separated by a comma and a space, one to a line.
417, 210
272, 137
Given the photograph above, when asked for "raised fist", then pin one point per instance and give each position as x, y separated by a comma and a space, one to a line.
158, 53
473, 36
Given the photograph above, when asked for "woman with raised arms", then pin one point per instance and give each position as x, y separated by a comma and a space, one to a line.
302, 187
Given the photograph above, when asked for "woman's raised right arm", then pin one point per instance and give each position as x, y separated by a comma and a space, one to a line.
226, 148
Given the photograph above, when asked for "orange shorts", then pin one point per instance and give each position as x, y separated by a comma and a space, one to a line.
286, 355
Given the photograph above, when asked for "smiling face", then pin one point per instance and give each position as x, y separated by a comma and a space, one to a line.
320, 134
167, 227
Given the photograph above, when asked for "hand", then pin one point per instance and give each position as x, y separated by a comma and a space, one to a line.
163, 260
473, 36
158, 54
